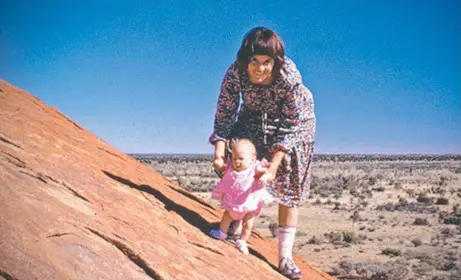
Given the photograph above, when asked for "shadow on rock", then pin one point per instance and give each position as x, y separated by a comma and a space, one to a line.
189, 216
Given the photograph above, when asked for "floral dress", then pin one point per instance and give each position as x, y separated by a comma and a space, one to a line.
278, 116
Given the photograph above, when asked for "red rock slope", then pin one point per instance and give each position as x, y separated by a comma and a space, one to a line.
73, 207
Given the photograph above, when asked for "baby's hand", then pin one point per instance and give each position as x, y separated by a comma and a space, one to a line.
259, 171
268, 176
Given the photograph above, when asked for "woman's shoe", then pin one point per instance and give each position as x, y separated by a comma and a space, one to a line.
289, 269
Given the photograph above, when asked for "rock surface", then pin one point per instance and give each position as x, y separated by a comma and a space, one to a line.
74, 207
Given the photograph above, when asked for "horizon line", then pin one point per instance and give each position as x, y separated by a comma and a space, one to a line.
329, 154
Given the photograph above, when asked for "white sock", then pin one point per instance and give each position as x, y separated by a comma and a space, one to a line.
286, 239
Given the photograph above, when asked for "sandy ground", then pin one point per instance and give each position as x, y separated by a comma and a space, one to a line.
334, 236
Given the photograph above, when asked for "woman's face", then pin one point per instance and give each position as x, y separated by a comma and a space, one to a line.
260, 69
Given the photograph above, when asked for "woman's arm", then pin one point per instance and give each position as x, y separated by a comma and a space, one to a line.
226, 111
298, 123
227, 105
219, 163
219, 149
276, 160
298, 119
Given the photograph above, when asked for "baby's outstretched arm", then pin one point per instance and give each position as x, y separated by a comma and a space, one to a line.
270, 174
261, 168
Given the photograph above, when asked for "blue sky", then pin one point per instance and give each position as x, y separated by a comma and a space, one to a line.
145, 75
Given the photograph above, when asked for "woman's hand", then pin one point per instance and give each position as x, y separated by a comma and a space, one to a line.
219, 165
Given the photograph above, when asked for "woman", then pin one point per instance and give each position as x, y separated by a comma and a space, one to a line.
277, 114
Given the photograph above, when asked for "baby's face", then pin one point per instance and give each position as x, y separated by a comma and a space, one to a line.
242, 156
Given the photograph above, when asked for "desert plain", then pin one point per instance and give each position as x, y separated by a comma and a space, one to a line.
367, 217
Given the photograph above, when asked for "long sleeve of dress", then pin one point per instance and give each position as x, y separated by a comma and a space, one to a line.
298, 121
228, 102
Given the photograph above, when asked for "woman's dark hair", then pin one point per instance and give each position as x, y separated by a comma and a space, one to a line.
261, 41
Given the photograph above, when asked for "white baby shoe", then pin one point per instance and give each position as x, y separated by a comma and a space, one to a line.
242, 246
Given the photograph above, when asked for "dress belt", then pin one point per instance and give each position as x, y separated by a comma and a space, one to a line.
269, 126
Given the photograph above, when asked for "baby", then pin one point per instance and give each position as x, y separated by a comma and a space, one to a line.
240, 193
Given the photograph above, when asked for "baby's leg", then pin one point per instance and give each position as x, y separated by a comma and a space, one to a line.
248, 222
221, 233
225, 221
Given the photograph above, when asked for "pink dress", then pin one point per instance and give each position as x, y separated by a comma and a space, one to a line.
240, 193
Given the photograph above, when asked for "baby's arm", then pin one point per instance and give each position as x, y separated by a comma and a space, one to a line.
261, 167
220, 190
217, 194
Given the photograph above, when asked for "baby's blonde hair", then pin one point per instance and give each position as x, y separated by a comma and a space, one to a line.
245, 142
